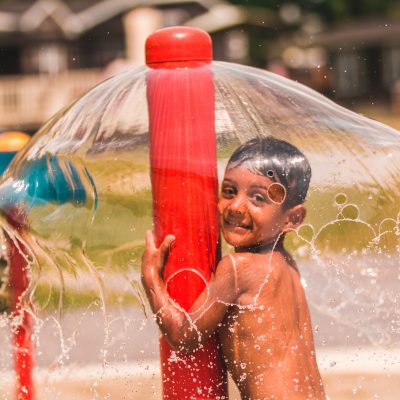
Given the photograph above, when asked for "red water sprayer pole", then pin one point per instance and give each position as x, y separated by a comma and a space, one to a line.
10, 143
22, 331
180, 94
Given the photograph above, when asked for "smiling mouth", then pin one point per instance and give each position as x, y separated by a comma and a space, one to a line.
237, 225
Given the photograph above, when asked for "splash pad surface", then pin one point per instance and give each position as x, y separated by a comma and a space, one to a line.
84, 186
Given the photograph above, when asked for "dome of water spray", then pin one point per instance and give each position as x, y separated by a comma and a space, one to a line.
82, 191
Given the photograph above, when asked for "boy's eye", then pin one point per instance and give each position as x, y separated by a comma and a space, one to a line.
260, 198
228, 191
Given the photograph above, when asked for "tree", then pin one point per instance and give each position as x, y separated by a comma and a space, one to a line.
333, 10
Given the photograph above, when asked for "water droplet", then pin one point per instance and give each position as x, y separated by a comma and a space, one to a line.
340, 198
242, 377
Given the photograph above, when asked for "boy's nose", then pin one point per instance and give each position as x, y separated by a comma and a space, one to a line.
237, 206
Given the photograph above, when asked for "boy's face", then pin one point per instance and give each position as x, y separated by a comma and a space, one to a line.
249, 217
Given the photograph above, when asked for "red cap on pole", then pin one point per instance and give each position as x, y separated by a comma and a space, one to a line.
178, 44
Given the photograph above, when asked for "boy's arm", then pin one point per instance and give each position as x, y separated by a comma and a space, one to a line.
185, 331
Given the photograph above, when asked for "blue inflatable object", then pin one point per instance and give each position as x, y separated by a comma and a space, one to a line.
49, 179
5, 159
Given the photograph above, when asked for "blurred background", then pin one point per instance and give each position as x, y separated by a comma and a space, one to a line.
52, 51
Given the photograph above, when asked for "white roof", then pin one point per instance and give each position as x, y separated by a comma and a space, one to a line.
223, 16
75, 23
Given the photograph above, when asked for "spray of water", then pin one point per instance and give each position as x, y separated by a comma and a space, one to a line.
83, 194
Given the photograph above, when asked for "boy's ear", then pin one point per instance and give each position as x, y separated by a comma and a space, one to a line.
295, 217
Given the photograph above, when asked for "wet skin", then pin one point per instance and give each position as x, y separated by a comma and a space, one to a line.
255, 299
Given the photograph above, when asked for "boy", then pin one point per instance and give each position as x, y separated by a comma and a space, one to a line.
255, 298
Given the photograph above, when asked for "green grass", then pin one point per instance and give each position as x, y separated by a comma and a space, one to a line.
51, 298
112, 238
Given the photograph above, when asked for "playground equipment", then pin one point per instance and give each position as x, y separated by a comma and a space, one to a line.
185, 185
15, 280
84, 185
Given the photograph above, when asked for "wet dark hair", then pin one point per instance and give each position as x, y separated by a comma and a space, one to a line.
279, 161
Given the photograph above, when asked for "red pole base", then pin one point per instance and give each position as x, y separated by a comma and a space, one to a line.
195, 376
22, 335
23, 360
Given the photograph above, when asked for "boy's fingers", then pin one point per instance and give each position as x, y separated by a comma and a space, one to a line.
150, 242
166, 244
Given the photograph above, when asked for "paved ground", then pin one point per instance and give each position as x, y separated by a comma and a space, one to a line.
132, 382
132, 370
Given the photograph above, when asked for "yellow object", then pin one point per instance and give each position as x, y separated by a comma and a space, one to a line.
13, 141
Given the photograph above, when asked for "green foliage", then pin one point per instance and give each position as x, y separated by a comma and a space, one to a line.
270, 4
365, 219
51, 298
332, 10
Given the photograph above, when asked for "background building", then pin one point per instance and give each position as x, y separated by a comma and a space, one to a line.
52, 51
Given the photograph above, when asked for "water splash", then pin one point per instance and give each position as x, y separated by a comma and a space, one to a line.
82, 191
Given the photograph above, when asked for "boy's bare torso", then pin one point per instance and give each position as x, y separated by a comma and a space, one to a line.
254, 299
266, 337
256, 303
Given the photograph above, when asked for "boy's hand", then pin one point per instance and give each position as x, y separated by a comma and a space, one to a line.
153, 260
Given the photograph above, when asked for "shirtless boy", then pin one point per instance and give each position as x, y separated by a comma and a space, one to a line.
255, 298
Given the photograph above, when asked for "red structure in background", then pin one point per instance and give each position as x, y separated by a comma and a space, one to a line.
180, 94
22, 332
10, 143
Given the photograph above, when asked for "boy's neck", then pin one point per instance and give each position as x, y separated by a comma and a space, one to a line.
274, 245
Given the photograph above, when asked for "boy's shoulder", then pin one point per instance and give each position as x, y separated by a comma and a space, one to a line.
251, 269
272, 261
